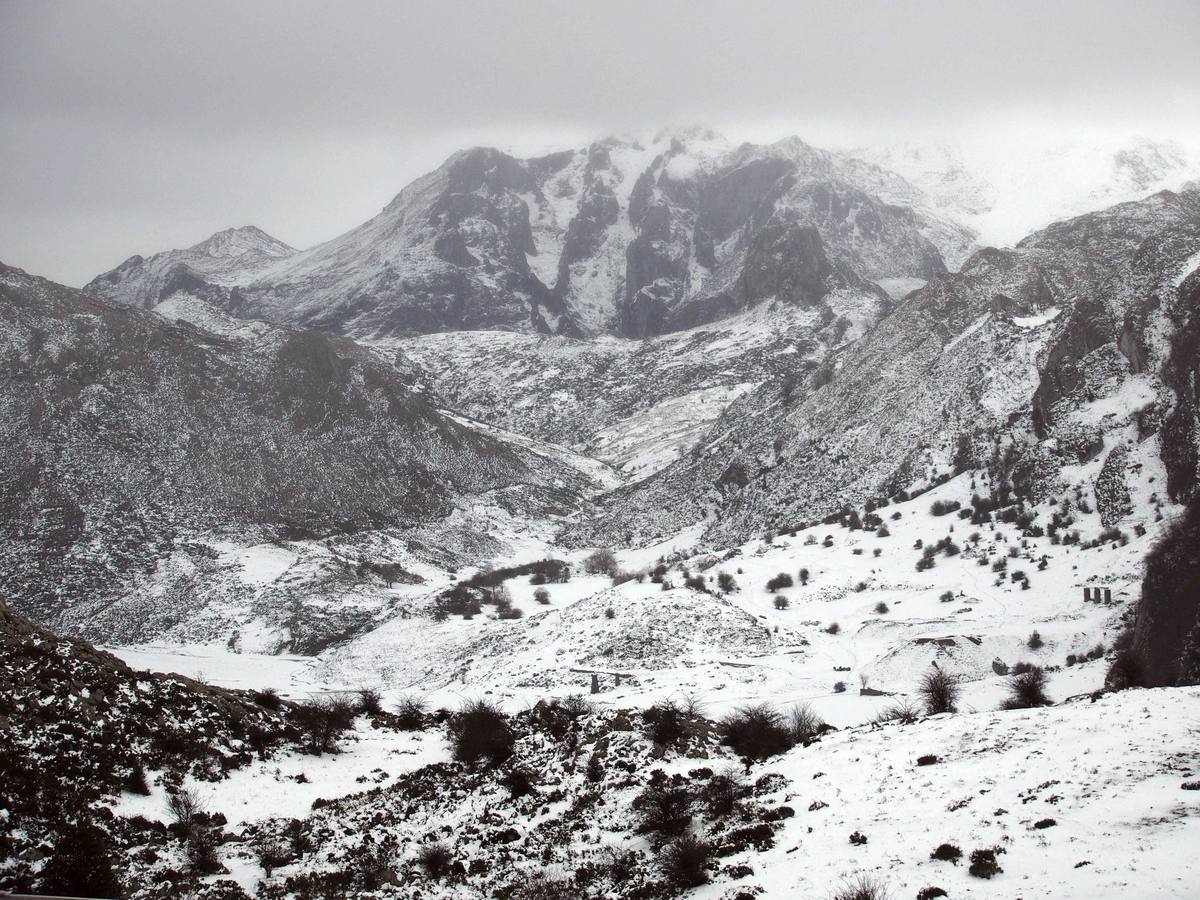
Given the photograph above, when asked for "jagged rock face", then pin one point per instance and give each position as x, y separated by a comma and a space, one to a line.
718, 232
616, 237
1181, 429
125, 432
1022, 349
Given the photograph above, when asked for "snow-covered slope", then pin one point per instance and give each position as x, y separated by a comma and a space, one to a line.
636, 405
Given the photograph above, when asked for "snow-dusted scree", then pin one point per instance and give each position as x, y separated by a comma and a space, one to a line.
656, 518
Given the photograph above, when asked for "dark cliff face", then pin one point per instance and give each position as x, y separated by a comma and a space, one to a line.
124, 432
1169, 608
1181, 429
756, 227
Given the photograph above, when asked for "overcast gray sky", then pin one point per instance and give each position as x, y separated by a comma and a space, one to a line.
134, 127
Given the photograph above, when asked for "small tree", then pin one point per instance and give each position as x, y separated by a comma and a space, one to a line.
781, 602
939, 690
804, 576
726, 583
601, 562
542, 596
324, 720
780, 581
1035, 641
185, 806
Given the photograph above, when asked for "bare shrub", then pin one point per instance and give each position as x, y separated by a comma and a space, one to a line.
1027, 690
805, 724
940, 692
756, 732
684, 861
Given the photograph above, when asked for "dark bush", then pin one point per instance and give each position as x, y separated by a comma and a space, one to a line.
931, 893
480, 731
726, 583
939, 690
410, 714
664, 807
519, 782
833, 628
882, 608
542, 596
81, 864
369, 701
782, 602
947, 853
135, 781
601, 562
1035, 641
267, 698
684, 861
666, 723
1027, 690
983, 864
722, 793
435, 859
756, 732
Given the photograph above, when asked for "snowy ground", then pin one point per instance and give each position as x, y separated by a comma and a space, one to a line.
736, 647
1108, 774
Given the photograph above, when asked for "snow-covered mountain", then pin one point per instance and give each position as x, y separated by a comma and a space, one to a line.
225, 260
1005, 190
618, 237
